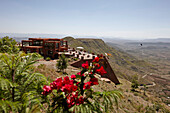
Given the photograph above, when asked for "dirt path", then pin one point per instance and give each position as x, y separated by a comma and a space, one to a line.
146, 75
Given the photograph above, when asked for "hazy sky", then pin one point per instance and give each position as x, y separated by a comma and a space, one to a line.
134, 19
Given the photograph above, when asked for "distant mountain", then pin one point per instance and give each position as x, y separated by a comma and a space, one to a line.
157, 40
117, 40
23, 36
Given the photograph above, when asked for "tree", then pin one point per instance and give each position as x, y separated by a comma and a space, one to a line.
8, 45
62, 63
20, 88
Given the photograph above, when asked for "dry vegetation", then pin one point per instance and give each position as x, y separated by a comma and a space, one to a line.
131, 102
157, 54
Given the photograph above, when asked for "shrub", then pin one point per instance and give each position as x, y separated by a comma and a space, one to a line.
69, 60
75, 59
62, 63
20, 88
8, 45
75, 93
134, 84
48, 59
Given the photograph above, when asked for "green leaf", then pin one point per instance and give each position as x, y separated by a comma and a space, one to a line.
78, 76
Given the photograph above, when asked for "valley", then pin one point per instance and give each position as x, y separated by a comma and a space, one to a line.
157, 53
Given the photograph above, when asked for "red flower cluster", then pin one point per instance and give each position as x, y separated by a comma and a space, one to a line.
93, 81
85, 65
73, 76
73, 99
79, 73
97, 65
101, 71
96, 59
47, 90
73, 87
87, 85
65, 85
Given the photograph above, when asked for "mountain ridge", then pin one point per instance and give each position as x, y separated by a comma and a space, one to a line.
119, 60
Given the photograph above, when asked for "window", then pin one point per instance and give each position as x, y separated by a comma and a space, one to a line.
57, 45
61, 43
25, 43
64, 43
38, 43
30, 43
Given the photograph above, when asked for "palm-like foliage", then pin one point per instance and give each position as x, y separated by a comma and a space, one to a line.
20, 87
8, 45
101, 102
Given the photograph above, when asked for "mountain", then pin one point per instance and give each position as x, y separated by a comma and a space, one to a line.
157, 40
158, 55
124, 65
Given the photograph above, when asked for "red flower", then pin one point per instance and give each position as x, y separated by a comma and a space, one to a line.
69, 87
85, 65
77, 83
73, 76
97, 65
47, 90
101, 71
80, 100
71, 82
96, 59
66, 80
79, 73
66, 88
57, 84
94, 81
74, 88
87, 85
70, 101
101, 55
75, 94
59, 79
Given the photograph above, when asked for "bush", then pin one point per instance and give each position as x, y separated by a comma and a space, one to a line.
62, 63
69, 60
75, 59
134, 84
74, 94
48, 59
20, 88
8, 45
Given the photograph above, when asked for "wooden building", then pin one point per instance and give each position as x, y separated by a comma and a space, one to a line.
47, 47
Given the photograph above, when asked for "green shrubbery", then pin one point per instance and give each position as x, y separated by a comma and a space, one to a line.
8, 45
62, 63
135, 83
20, 88
48, 59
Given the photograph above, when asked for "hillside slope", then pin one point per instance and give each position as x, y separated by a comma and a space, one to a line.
124, 65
